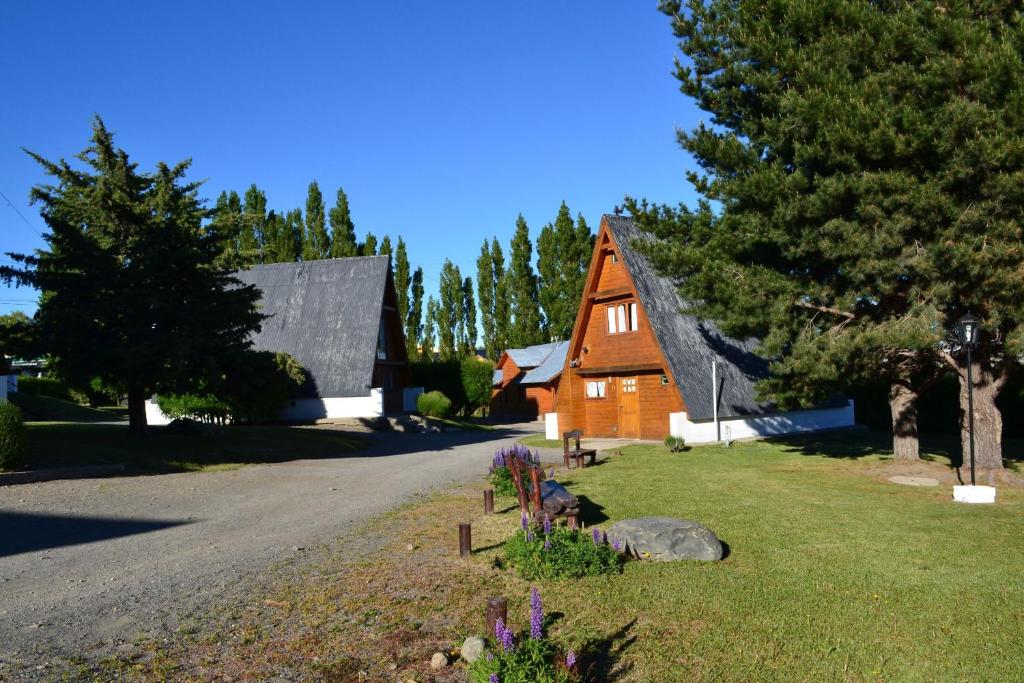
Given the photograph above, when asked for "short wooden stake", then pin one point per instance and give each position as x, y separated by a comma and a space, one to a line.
488, 501
572, 521
497, 608
465, 540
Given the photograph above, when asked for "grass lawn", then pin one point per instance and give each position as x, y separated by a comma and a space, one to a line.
47, 408
65, 444
832, 574
538, 441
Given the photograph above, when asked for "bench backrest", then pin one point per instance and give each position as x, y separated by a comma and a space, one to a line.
574, 434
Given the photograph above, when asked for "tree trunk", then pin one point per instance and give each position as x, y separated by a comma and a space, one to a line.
136, 411
903, 405
988, 425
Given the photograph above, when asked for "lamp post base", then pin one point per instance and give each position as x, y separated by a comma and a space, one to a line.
974, 494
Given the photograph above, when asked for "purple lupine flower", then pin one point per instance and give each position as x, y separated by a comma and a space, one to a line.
547, 525
536, 615
597, 536
504, 635
529, 535
570, 659
490, 656
547, 543
617, 546
493, 678
524, 521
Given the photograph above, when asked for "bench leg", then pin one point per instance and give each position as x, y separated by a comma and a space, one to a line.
572, 521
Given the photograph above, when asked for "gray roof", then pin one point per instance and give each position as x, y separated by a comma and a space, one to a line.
690, 344
551, 367
496, 376
327, 315
531, 356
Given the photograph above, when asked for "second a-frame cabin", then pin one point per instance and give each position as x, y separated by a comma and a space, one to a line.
638, 367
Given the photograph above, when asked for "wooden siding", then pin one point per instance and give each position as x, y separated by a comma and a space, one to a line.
632, 354
519, 400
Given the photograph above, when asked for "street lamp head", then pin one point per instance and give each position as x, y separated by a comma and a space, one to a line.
967, 330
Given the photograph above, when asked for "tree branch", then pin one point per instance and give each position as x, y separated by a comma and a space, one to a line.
826, 309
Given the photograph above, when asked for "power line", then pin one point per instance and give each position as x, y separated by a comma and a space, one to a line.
20, 215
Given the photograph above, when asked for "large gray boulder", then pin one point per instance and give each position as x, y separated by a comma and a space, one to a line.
666, 539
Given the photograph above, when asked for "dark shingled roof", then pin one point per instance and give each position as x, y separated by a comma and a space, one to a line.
689, 344
327, 314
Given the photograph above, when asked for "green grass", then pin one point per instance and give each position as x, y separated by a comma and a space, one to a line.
538, 441
45, 408
832, 574
466, 424
56, 444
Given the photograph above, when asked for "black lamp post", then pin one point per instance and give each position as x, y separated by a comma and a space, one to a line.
967, 333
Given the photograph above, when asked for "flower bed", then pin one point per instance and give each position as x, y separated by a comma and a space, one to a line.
549, 552
499, 474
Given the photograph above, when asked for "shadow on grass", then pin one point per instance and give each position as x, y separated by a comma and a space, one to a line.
590, 512
28, 532
600, 660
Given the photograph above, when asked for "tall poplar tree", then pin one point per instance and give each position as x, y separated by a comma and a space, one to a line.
449, 319
861, 185
317, 243
253, 239
563, 257
343, 230
414, 318
468, 326
226, 219
527, 324
429, 325
485, 285
293, 235
134, 290
502, 300
385, 246
402, 277
369, 245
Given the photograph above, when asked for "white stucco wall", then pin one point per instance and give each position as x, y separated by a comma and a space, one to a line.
763, 425
551, 427
306, 409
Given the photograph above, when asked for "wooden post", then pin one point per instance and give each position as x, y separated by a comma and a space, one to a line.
496, 608
535, 482
488, 501
465, 540
572, 521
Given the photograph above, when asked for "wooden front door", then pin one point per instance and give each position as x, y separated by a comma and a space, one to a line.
629, 408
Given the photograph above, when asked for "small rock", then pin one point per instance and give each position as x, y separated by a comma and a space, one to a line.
409, 546
438, 661
393, 666
472, 648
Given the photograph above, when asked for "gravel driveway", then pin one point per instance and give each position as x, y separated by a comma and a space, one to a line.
88, 562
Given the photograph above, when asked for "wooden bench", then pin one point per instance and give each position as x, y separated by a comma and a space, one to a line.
548, 498
576, 454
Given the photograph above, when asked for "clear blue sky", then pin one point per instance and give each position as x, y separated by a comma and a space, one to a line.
441, 120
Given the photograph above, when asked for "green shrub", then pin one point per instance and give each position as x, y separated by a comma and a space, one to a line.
434, 404
530, 657
260, 384
676, 444
561, 552
12, 437
203, 408
477, 383
51, 386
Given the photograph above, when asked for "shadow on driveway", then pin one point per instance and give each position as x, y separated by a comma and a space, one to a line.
27, 532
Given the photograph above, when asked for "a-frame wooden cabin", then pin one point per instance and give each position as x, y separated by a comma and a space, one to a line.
638, 367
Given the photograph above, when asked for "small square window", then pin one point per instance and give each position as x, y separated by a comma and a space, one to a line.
664, 379
615, 257
595, 389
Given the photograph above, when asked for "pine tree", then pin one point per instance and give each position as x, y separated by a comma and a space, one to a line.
402, 280
468, 325
253, 239
861, 192
449, 319
369, 245
563, 257
527, 324
343, 230
502, 300
134, 288
429, 324
485, 285
316, 243
414, 333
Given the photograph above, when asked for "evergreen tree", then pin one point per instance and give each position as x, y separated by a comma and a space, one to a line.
343, 230
864, 167
485, 285
272, 234
385, 247
414, 333
429, 324
563, 257
468, 325
527, 324
369, 246
293, 235
253, 239
226, 219
134, 290
317, 243
402, 281
502, 300
449, 319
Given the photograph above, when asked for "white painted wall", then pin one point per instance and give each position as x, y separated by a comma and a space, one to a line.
409, 396
307, 409
551, 427
762, 425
